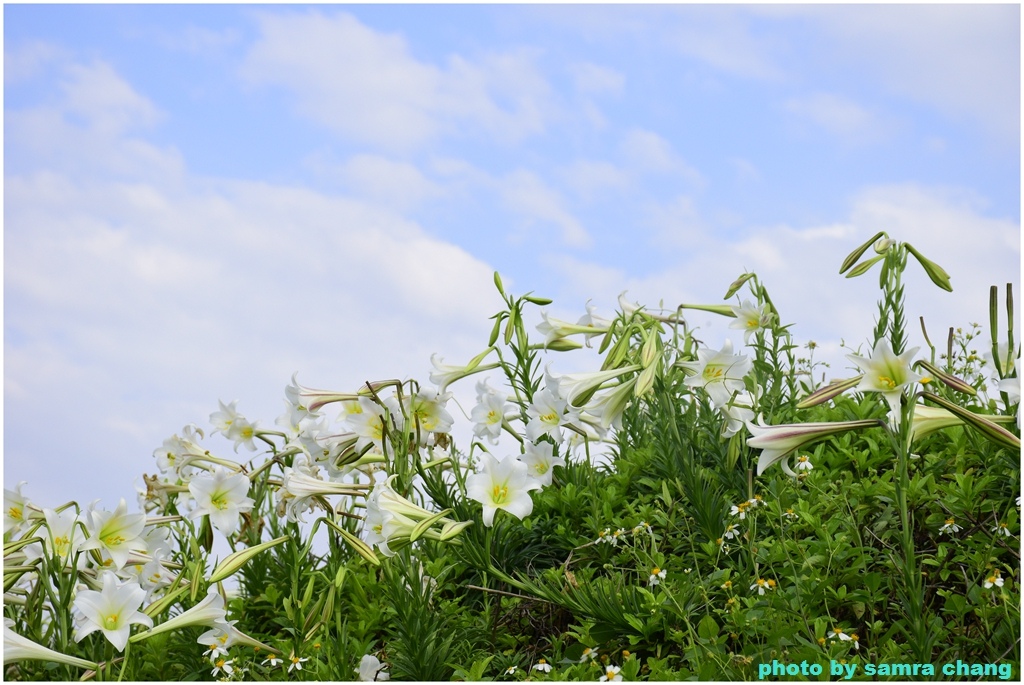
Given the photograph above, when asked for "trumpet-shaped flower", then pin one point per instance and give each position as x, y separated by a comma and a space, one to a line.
115, 533
609, 405
113, 610
886, 372
488, 416
426, 409
63, 536
371, 669
546, 416
738, 412
19, 648
309, 400
504, 485
720, 372
366, 418
221, 495
540, 462
751, 318
209, 612
554, 329
15, 508
446, 374
577, 388
778, 442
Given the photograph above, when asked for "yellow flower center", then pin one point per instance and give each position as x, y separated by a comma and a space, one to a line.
220, 502
713, 372
499, 494
61, 545
655, 571
608, 674
541, 468
887, 382
220, 663
295, 659
110, 622
15, 513
113, 540
550, 417
542, 661
950, 522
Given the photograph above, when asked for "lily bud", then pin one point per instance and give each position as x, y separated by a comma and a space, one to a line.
649, 353
864, 267
935, 272
882, 245
948, 380
833, 389
559, 345
852, 258
988, 428
737, 284
723, 309
237, 560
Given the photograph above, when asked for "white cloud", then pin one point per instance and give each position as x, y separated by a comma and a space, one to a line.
526, 194
722, 37
800, 268
133, 305
591, 178
963, 59
596, 80
390, 182
839, 116
26, 61
648, 152
367, 86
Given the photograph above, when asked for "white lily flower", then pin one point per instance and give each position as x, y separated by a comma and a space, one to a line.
115, 533
63, 537
310, 400
426, 408
751, 318
720, 372
488, 415
554, 329
113, 610
370, 669
221, 494
573, 386
778, 442
540, 462
546, 416
608, 405
738, 412
502, 485
20, 648
15, 508
446, 374
209, 612
887, 373
366, 418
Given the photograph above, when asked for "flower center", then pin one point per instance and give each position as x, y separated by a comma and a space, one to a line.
655, 571
110, 622
541, 468
220, 501
61, 545
886, 381
113, 540
14, 513
713, 372
499, 494
550, 417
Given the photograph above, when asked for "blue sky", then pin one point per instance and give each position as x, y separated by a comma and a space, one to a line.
201, 200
